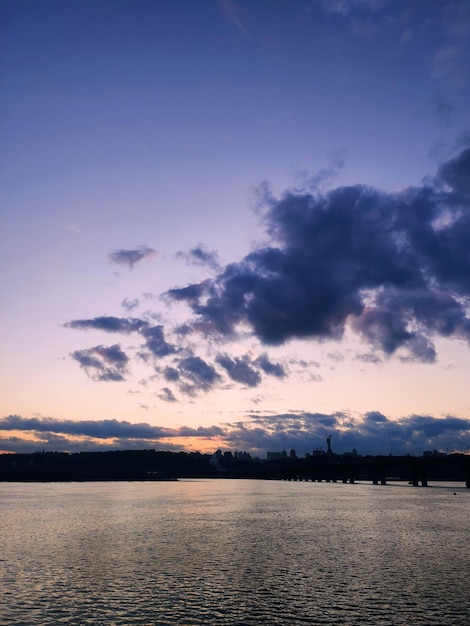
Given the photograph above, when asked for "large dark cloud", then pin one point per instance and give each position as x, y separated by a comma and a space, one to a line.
394, 266
373, 433
131, 257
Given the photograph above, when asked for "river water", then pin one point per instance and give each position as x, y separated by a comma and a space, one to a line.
228, 552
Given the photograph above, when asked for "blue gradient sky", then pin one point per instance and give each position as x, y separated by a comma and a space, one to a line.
302, 164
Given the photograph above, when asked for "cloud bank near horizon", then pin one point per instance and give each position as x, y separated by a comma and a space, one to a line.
372, 433
392, 267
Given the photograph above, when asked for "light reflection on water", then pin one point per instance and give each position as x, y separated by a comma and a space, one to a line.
233, 552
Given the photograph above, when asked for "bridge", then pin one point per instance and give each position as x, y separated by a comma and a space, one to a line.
376, 469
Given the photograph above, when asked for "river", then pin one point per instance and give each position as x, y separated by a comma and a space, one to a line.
234, 552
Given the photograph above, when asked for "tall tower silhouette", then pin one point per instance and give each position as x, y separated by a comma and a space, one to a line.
328, 443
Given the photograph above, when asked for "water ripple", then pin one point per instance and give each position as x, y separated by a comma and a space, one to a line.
233, 553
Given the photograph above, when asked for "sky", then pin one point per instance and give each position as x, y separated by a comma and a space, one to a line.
235, 224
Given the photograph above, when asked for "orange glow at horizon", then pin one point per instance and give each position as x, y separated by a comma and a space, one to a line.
204, 445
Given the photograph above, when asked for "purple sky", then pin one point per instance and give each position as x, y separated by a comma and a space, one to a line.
235, 224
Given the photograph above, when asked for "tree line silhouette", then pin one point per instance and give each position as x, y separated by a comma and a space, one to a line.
165, 465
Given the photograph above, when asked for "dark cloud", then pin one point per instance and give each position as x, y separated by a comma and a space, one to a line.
201, 431
100, 429
393, 266
300, 431
167, 395
109, 324
191, 293
270, 368
456, 173
196, 375
131, 257
184, 330
373, 433
200, 256
374, 417
154, 335
369, 357
103, 363
240, 370
155, 341
431, 427
386, 330
129, 304
171, 374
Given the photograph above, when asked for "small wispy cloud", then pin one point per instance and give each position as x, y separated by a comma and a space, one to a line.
131, 257
234, 13
199, 256
449, 65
